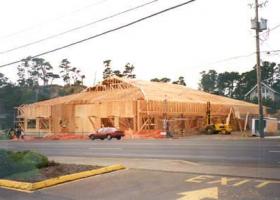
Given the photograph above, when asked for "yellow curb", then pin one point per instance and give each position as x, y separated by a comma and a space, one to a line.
16, 184
58, 180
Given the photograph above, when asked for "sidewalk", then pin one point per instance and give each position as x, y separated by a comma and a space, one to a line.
177, 166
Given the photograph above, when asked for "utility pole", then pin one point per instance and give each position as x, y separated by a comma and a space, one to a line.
258, 69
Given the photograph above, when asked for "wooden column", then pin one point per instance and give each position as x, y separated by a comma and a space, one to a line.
117, 122
138, 110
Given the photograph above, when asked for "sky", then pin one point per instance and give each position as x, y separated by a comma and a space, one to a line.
182, 42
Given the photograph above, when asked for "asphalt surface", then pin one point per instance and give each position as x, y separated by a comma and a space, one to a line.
255, 152
143, 184
163, 169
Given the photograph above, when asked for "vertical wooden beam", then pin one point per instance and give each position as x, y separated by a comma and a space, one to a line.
117, 122
246, 121
50, 124
138, 115
135, 116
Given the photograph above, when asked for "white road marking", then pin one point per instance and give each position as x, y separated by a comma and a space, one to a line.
104, 148
274, 151
211, 193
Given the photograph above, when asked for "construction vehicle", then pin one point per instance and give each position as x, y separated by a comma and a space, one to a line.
215, 128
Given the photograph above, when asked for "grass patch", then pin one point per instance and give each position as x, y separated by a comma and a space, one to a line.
20, 162
29, 166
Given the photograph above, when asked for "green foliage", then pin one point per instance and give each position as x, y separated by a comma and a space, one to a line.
13, 96
127, 72
6, 134
208, 82
117, 73
36, 159
18, 162
33, 70
70, 74
3, 80
42, 69
180, 81
269, 103
235, 85
246, 82
107, 71
162, 80
226, 83
165, 80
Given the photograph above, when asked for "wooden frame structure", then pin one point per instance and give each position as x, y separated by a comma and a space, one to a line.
129, 104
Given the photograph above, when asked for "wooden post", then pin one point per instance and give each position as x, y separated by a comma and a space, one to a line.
246, 121
135, 116
117, 122
138, 109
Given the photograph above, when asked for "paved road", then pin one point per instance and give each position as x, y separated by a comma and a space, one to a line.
256, 152
168, 177
143, 184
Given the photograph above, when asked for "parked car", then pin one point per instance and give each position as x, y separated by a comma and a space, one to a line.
106, 132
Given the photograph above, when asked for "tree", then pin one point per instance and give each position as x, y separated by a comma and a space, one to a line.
208, 81
247, 80
227, 82
23, 74
70, 74
52, 77
77, 76
117, 73
42, 69
162, 80
128, 71
107, 71
276, 83
3, 80
180, 81
269, 73
65, 71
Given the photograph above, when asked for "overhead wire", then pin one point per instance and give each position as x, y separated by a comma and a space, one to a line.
78, 27
51, 20
230, 58
270, 30
105, 32
240, 57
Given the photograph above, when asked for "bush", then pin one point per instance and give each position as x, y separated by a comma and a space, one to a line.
4, 135
36, 159
18, 162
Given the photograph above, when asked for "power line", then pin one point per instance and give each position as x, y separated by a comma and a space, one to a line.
231, 58
240, 57
270, 30
106, 32
78, 28
271, 51
51, 20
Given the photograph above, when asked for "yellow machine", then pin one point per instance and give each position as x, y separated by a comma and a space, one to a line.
216, 128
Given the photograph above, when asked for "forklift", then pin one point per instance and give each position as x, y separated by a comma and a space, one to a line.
216, 128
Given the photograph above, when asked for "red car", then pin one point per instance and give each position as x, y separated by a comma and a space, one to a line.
106, 132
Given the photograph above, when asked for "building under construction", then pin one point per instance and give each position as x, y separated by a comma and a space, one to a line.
134, 106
